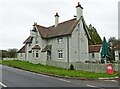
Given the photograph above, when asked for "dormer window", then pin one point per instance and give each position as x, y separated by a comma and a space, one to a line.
60, 39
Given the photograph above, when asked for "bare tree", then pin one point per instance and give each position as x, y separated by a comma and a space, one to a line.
12, 52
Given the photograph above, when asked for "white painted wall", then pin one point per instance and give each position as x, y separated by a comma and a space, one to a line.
97, 57
78, 44
79, 12
83, 42
58, 46
21, 56
116, 55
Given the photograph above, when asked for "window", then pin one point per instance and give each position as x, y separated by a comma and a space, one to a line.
60, 39
21, 55
60, 54
93, 55
37, 54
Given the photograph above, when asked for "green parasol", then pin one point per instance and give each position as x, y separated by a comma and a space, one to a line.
105, 51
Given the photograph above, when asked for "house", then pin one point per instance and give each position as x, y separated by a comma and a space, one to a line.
21, 53
63, 42
94, 53
117, 52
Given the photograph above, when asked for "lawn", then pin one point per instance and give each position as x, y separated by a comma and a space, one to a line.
38, 68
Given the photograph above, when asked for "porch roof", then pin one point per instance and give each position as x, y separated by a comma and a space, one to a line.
48, 47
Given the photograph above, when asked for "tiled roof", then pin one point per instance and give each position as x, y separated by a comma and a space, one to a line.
117, 46
22, 50
64, 28
94, 48
36, 47
48, 47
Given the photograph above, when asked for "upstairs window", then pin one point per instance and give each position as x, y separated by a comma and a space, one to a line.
60, 54
60, 39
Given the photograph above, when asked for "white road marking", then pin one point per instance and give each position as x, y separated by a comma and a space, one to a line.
3, 84
43, 75
63, 80
90, 86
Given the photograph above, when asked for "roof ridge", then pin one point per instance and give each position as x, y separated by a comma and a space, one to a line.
62, 22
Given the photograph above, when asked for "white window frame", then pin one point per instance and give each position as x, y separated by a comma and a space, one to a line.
60, 54
37, 54
60, 39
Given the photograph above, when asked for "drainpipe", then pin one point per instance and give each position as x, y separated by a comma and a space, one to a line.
68, 50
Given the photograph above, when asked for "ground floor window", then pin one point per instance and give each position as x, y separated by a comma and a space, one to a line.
21, 55
37, 54
93, 55
60, 54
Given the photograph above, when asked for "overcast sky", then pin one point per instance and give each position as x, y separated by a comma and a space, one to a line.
18, 16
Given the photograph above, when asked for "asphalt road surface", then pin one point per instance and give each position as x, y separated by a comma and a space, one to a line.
12, 77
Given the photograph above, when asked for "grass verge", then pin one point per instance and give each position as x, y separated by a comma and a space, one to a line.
38, 68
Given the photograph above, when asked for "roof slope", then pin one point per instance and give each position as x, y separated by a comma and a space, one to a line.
22, 50
64, 28
94, 48
117, 46
28, 40
36, 47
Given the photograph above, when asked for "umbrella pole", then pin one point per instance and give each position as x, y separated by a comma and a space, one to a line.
105, 60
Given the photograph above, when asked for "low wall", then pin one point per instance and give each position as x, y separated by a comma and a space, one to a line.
10, 59
92, 67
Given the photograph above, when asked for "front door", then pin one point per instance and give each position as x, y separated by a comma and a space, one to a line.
48, 55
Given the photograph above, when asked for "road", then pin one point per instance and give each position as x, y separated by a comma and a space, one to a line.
12, 77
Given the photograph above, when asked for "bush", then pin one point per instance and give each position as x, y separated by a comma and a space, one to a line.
71, 67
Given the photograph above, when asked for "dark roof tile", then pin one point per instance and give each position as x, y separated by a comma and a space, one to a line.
22, 50
64, 28
28, 40
36, 47
117, 46
94, 48
48, 47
